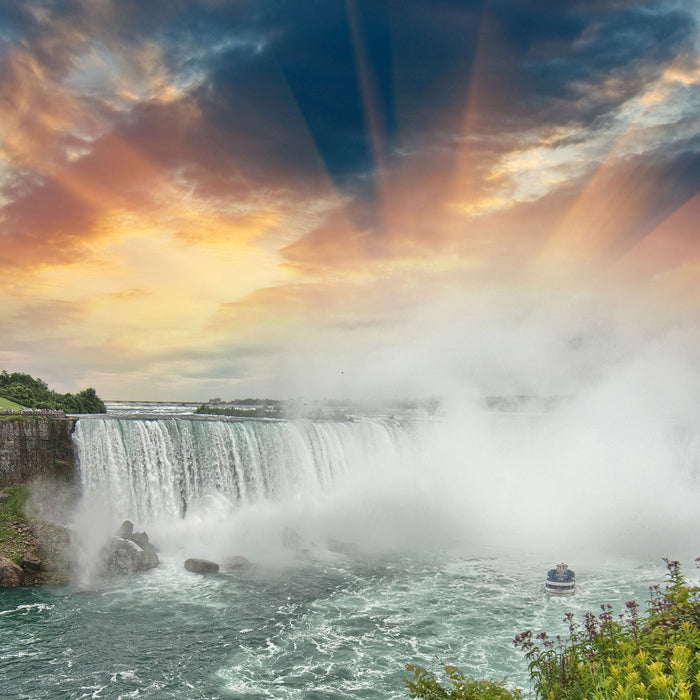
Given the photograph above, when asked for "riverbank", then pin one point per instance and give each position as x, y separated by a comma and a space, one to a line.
32, 551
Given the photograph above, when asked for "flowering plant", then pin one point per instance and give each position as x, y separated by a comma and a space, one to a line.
653, 655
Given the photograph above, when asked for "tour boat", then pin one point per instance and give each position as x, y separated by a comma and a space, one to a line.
560, 581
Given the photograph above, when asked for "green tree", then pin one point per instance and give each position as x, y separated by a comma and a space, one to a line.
35, 393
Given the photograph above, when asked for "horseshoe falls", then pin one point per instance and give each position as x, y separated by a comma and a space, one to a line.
154, 468
372, 543
246, 483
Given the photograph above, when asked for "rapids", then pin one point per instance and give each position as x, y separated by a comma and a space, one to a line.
373, 543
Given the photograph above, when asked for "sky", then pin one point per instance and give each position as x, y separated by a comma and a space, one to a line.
345, 198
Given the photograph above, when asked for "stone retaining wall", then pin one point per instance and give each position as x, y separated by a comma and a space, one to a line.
36, 444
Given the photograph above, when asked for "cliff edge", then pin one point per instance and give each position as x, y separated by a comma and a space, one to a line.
32, 550
36, 453
36, 444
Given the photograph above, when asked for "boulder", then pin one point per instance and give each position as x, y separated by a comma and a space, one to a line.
122, 556
126, 529
31, 562
11, 575
201, 566
141, 539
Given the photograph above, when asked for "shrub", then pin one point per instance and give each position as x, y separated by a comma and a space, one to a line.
29, 392
653, 655
425, 685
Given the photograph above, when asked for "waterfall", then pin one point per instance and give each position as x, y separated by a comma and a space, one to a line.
545, 482
153, 468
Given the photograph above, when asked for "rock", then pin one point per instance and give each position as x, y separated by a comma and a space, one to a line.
126, 529
122, 556
150, 549
127, 552
55, 550
141, 539
3, 496
236, 562
31, 562
11, 575
201, 566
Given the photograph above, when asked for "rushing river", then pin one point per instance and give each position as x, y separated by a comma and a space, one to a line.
372, 544
315, 628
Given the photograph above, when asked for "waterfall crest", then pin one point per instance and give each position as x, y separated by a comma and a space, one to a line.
154, 468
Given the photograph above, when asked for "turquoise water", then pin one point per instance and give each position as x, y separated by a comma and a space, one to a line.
448, 529
333, 627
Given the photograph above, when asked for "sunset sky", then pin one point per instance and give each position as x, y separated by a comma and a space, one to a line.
346, 197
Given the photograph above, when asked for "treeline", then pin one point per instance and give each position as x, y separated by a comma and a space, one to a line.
35, 393
258, 411
326, 409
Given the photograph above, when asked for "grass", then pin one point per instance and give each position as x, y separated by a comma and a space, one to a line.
13, 507
15, 537
6, 403
21, 534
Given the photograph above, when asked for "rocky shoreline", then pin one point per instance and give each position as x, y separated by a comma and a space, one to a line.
32, 551
35, 551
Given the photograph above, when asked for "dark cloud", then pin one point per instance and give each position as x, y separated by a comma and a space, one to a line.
322, 53
557, 59
276, 94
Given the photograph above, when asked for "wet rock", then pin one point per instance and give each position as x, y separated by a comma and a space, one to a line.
151, 550
55, 551
236, 562
141, 539
31, 562
201, 566
126, 529
122, 556
11, 575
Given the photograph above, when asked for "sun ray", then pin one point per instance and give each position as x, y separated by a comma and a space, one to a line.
615, 201
372, 116
463, 188
671, 246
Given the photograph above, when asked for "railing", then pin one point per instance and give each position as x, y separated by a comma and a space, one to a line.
32, 412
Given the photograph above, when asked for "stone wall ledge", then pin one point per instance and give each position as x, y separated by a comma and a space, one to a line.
36, 444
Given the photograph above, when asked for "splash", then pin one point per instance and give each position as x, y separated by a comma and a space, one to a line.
571, 480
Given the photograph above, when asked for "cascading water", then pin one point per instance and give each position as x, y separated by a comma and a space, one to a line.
491, 479
317, 621
159, 468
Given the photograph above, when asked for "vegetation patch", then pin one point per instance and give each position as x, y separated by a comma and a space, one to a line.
21, 534
24, 391
15, 528
633, 655
6, 403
